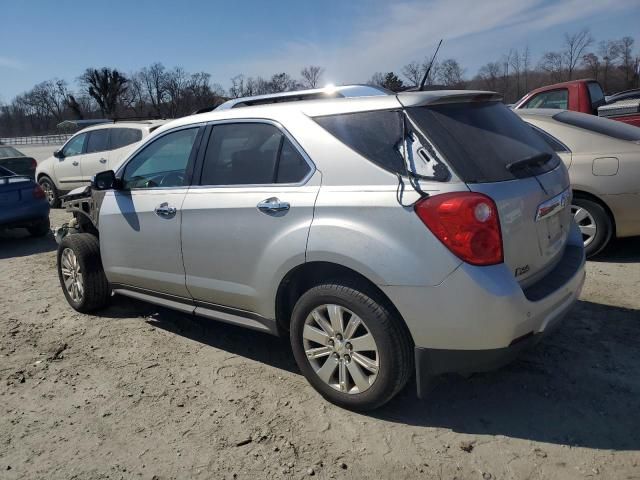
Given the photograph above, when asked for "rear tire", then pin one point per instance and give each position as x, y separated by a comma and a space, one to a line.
80, 271
50, 190
352, 370
40, 229
594, 224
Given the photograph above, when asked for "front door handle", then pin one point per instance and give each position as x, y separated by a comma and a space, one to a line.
75, 163
273, 205
103, 160
164, 210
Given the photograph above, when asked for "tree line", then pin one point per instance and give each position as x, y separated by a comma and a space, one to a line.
159, 92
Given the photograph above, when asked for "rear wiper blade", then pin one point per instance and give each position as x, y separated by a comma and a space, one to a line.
533, 160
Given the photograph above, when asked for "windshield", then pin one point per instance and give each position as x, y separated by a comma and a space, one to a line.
480, 139
604, 126
9, 152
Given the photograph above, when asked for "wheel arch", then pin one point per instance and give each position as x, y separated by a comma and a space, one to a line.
579, 193
307, 275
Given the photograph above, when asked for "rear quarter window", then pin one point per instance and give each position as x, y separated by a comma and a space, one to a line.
121, 137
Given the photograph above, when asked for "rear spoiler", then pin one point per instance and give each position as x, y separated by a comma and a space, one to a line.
438, 97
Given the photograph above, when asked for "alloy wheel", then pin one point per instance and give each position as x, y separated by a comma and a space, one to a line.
72, 275
48, 191
586, 223
341, 349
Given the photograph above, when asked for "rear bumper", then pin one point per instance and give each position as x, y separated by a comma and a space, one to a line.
479, 318
24, 215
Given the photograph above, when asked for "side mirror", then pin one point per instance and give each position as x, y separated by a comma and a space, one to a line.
58, 154
105, 181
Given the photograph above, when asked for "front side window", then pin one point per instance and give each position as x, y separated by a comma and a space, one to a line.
75, 145
121, 137
558, 99
162, 163
98, 141
251, 154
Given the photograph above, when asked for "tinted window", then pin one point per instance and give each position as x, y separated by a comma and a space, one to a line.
596, 94
251, 154
479, 139
5, 173
121, 137
75, 145
163, 163
98, 141
10, 152
551, 141
605, 126
558, 99
374, 135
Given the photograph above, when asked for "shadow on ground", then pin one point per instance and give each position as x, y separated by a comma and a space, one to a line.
623, 250
18, 243
580, 386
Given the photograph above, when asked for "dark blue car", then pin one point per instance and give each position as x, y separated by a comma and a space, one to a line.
22, 204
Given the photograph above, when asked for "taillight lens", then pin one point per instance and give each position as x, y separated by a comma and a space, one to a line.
466, 223
38, 192
34, 164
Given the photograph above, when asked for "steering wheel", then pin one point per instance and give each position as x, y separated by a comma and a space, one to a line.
173, 179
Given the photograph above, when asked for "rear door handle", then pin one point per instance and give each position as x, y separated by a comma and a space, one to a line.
75, 163
103, 160
273, 205
164, 210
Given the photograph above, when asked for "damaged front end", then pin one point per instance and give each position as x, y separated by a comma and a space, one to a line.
84, 203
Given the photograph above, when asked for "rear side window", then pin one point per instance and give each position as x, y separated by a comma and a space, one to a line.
121, 137
558, 99
604, 126
479, 139
552, 141
596, 94
251, 154
376, 136
98, 141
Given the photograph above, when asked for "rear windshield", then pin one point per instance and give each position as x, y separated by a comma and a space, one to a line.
9, 152
480, 139
604, 126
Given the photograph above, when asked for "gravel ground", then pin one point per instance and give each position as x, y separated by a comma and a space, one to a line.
142, 392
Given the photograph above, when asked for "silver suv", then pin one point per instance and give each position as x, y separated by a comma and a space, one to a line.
424, 232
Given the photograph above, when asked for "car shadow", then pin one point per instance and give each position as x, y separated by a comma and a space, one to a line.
580, 386
18, 243
621, 250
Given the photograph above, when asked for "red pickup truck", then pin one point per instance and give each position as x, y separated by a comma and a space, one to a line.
584, 96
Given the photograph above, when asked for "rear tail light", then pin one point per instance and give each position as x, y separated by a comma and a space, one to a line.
38, 192
34, 164
466, 223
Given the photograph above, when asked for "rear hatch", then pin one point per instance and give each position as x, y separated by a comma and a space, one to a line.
20, 165
484, 143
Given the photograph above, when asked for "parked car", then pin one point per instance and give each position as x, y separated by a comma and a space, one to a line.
425, 232
22, 204
14, 160
584, 96
603, 158
88, 152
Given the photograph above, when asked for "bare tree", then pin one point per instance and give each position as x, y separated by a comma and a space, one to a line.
281, 82
51, 97
175, 85
106, 86
413, 72
592, 63
450, 73
553, 64
153, 80
627, 60
376, 79
311, 76
489, 75
574, 48
526, 66
516, 67
609, 51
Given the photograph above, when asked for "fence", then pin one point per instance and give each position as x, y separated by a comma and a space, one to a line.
57, 139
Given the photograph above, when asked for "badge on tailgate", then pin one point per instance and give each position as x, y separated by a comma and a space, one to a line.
553, 205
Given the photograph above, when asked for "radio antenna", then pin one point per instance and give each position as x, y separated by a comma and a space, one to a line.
426, 74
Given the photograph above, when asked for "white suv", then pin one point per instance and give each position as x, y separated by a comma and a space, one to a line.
88, 152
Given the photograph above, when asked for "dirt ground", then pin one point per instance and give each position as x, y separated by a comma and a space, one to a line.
142, 392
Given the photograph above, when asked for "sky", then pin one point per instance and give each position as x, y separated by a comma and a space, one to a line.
351, 39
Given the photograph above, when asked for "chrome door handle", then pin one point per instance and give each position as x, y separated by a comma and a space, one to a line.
75, 163
103, 160
164, 210
273, 205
